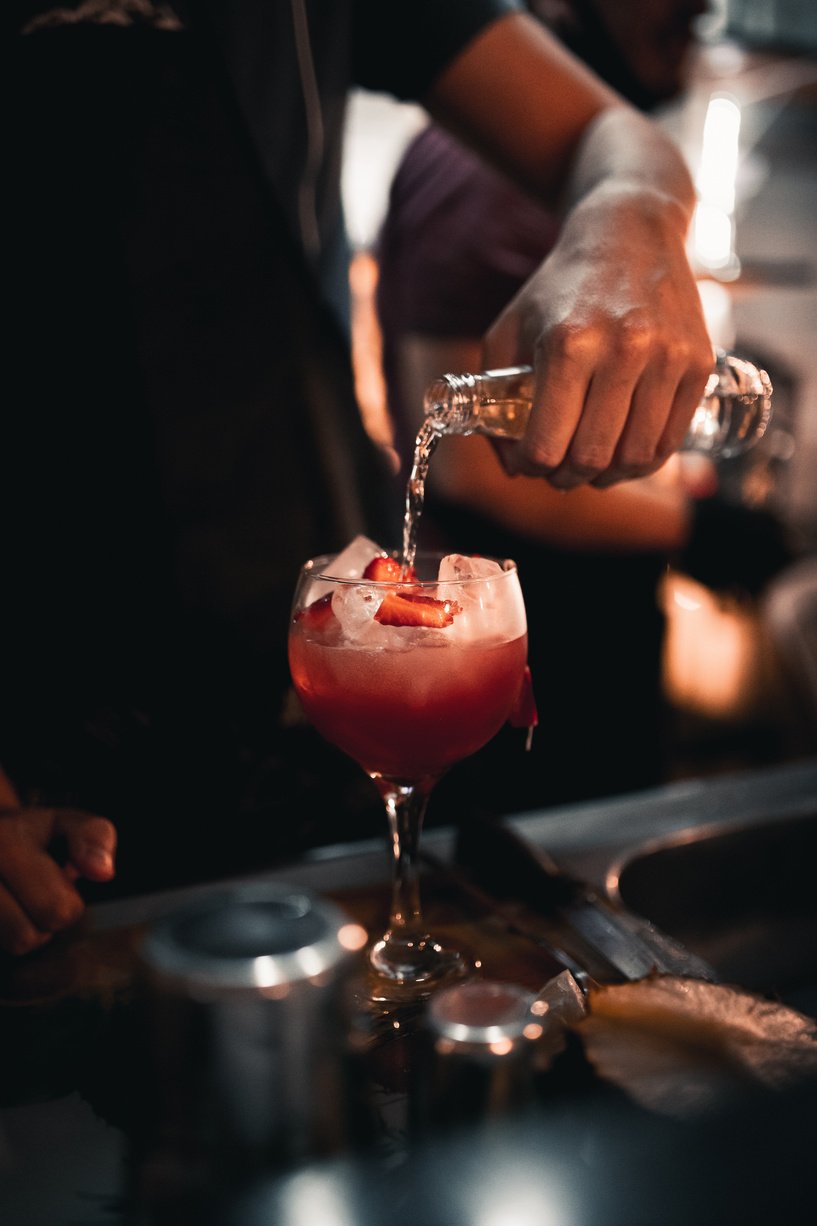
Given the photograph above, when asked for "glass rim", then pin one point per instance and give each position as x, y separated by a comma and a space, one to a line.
315, 568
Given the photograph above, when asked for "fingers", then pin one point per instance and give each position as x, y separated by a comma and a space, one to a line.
37, 895
601, 418
91, 844
614, 322
36, 900
654, 425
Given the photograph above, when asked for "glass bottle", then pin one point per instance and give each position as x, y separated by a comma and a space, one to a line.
731, 417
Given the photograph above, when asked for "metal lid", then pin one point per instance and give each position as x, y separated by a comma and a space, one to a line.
482, 1011
259, 937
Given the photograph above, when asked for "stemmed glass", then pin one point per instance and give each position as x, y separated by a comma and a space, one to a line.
408, 674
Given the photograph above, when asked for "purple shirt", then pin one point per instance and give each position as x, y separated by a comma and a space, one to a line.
458, 241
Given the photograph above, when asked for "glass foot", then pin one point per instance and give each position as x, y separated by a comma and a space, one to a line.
405, 969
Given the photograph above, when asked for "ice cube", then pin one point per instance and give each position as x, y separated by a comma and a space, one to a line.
492, 606
355, 607
350, 563
460, 566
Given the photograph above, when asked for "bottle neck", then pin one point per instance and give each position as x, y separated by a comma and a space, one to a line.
449, 402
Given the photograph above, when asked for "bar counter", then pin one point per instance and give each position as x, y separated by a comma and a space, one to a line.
71, 1077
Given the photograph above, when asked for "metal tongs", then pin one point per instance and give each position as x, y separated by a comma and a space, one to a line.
582, 930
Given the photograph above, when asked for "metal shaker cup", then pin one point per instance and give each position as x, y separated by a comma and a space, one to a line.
477, 1062
246, 1009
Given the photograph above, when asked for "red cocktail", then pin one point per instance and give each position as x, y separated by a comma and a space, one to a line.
408, 715
408, 674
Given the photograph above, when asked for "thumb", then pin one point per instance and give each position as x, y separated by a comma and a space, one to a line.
91, 845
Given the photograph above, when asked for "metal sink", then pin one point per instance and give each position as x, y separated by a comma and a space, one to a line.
745, 899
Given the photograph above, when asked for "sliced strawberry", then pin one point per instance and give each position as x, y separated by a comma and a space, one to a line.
388, 570
408, 608
319, 615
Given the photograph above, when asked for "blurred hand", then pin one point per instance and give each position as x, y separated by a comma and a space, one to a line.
38, 896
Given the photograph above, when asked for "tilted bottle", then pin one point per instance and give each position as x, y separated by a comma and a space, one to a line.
731, 417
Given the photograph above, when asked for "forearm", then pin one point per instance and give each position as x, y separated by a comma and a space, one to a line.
550, 123
627, 154
518, 97
634, 517
612, 320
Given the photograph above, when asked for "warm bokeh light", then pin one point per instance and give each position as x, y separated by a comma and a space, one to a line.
711, 651
352, 937
713, 226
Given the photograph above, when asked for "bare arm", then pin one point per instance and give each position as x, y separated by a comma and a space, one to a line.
612, 319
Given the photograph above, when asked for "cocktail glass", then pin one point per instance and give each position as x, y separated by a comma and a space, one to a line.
408, 677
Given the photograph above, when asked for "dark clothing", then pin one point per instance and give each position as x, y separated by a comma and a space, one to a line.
184, 431
458, 241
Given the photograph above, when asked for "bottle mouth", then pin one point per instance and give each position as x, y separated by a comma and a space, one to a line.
448, 400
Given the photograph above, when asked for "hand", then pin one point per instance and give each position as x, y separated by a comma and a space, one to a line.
614, 322
37, 895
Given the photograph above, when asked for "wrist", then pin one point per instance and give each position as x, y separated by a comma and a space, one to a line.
625, 155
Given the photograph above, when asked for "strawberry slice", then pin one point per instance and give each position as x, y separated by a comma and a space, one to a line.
408, 608
319, 615
383, 570
388, 570
524, 713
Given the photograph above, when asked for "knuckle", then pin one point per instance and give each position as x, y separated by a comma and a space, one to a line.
571, 343
565, 479
669, 445
20, 939
702, 368
695, 361
588, 460
636, 340
637, 457
543, 455
59, 913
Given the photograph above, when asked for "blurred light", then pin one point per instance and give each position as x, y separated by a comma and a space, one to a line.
719, 154
519, 1196
713, 227
716, 301
501, 1047
711, 650
352, 937
713, 237
314, 1199
684, 600
266, 972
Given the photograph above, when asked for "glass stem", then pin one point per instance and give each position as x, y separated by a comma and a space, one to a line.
405, 807
408, 963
